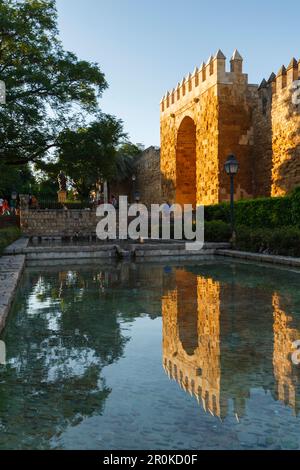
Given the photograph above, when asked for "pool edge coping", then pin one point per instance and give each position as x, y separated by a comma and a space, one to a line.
260, 257
11, 270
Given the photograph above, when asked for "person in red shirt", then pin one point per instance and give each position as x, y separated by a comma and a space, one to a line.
5, 208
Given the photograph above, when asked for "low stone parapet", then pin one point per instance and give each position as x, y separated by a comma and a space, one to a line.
260, 257
58, 222
11, 268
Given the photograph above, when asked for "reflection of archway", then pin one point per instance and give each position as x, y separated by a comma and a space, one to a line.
186, 162
191, 338
187, 311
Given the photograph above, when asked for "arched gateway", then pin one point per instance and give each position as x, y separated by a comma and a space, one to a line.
186, 163
205, 118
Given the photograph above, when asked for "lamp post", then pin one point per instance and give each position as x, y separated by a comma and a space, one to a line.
231, 168
2, 92
13, 203
133, 187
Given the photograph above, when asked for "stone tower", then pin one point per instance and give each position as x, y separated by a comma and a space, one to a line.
212, 113
277, 133
206, 117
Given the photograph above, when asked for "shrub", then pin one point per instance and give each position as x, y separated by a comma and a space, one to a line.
295, 207
7, 236
53, 204
217, 231
265, 225
260, 212
217, 212
278, 241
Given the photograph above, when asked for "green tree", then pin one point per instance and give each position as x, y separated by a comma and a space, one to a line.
48, 89
127, 154
18, 179
87, 154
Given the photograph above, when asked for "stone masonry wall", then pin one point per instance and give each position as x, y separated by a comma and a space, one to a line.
204, 113
148, 176
220, 103
236, 104
58, 223
285, 133
260, 125
207, 148
262, 161
277, 134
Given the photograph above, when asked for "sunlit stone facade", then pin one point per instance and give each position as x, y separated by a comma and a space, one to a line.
212, 113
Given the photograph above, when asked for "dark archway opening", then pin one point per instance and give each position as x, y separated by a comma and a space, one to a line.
186, 163
187, 311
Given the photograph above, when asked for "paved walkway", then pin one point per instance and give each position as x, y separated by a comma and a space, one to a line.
274, 259
11, 268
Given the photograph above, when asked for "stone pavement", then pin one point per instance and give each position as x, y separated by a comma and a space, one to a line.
11, 268
274, 259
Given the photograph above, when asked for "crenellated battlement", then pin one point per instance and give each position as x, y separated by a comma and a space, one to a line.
206, 393
214, 112
284, 79
205, 76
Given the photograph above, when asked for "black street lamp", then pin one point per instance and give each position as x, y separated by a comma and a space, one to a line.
133, 187
231, 168
2, 92
13, 203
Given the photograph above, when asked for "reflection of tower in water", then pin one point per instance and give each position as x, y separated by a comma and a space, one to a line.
218, 353
286, 374
191, 332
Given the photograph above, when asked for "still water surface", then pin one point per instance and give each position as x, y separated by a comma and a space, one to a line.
152, 356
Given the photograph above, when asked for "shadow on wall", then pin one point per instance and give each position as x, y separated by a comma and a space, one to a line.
263, 157
168, 190
286, 147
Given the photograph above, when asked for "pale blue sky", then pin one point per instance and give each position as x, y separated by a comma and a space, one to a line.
145, 47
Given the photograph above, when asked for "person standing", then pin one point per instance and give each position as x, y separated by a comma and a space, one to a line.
5, 208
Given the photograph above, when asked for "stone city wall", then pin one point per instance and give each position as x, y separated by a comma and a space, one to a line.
219, 105
213, 113
148, 180
58, 222
277, 134
148, 176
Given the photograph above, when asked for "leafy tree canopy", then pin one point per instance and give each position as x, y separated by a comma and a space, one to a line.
125, 161
15, 178
89, 154
49, 89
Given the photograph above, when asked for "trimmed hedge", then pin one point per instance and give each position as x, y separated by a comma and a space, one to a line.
217, 231
9, 221
262, 212
263, 225
277, 241
52, 204
7, 236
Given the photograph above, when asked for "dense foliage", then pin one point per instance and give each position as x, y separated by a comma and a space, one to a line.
52, 116
217, 231
7, 236
276, 241
261, 212
263, 225
43, 81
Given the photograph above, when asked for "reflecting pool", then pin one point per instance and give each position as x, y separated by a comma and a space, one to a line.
153, 356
